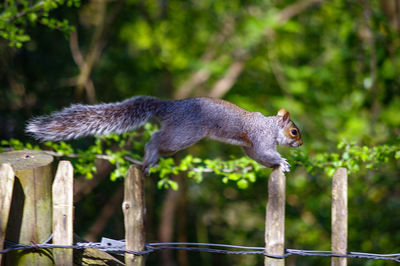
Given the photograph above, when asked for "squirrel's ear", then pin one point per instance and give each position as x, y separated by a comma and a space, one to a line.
285, 116
282, 112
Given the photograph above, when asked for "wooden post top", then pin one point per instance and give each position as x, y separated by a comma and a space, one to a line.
25, 159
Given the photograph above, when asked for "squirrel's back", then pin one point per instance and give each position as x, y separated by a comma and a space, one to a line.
202, 110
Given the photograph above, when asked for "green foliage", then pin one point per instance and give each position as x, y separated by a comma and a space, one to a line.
121, 150
242, 170
350, 156
16, 15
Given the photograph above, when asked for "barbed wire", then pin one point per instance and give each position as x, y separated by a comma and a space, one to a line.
118, 247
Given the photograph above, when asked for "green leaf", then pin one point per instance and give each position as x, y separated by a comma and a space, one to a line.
251, 176
242, 184
173, 184
330, 171
234, 176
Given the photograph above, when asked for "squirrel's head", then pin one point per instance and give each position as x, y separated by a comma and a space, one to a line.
289, 134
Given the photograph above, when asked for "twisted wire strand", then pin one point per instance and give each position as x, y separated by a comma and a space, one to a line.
118, 247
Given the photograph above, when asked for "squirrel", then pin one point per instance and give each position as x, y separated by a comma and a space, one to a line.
183, 123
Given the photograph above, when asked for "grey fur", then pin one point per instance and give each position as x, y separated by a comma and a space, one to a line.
183, 123
83, 120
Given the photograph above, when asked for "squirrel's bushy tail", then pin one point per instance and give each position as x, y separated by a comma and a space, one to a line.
84, 120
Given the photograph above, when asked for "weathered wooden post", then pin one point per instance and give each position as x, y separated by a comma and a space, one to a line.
63, 213
30, 214
275, 217
6, 188
134, 214
339, 216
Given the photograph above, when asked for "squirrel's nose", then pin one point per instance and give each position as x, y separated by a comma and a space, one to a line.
297, 143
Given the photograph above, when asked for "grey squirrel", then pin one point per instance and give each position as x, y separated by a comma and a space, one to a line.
183, 123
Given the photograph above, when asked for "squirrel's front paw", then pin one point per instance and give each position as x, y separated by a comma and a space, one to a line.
284, 165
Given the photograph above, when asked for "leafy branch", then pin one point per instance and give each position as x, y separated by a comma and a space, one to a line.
349, 155
126, 149
16, 14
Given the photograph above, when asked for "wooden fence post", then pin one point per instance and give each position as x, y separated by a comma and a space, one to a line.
134, 214
63, 213
275, 217
30, 213
6, 188
339, 216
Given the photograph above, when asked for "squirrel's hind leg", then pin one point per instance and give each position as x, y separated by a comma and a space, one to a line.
151, 154
169, 141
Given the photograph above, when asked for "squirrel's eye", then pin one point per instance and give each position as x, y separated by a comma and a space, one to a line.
293, 132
